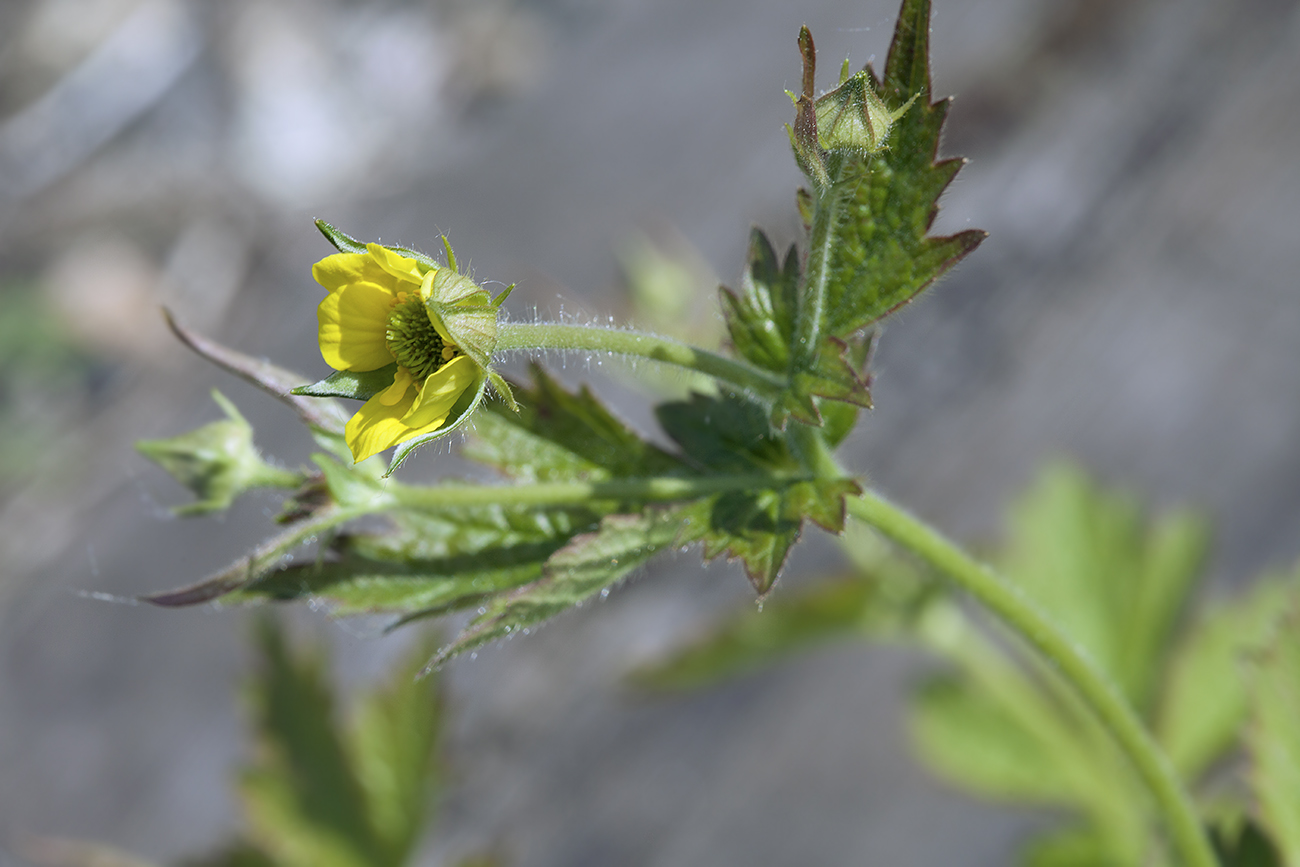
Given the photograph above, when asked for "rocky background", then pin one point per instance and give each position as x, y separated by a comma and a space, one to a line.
1136, 307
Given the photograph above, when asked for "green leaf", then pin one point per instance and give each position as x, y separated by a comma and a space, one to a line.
881, 256
316, 793
393, 750
1274, 734
1011, 752
590, 563
760, 319
304, 803
351, 384
1245, 846
428, 564
1071, 847
731, 434
1114, 581
1205, 699
558, 435
881, 604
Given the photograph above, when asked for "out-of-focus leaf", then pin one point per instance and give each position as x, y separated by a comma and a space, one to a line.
1112, 581
1244, 846
1072, 847
319, 794
304, 804
1205, 692
1274, 735
880, 605
393, 750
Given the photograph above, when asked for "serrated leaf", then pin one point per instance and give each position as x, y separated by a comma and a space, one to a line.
881, 256
1274, 735
351, 384
428, 564
727, 434
558, 435
590, 563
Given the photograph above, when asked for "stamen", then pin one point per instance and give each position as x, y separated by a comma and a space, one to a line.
413, 340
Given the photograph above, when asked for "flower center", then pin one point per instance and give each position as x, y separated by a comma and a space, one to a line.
413, 340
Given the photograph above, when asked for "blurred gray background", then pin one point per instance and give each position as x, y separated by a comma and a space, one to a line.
1135, 307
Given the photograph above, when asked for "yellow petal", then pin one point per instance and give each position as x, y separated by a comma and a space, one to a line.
341, 269
377, 426
441, 391
353, 324
399, 266
395, 392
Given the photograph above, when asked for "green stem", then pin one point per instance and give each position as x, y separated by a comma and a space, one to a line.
591, 338
1097, 690
645, 490
812, 301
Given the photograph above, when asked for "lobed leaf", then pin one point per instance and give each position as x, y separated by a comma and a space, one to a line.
1274, 735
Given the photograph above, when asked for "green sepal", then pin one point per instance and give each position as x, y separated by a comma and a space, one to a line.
341, 241
501, 388
853, 118
357, 385
464, 313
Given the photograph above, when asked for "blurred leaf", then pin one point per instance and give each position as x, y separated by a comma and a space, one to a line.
1205, 691
880, 255
303, 801
1274, 734
393, 748
1244, 846
1113, 583
318, 794
1072, 847
880, 605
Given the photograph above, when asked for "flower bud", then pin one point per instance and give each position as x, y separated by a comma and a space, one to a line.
218, 462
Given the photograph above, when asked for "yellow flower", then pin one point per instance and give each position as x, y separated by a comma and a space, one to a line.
384, 308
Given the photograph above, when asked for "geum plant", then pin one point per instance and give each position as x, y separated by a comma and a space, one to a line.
588, 500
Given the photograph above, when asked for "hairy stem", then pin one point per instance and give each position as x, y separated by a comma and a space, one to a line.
812, 298
590, 338
1026, 619
646, 490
